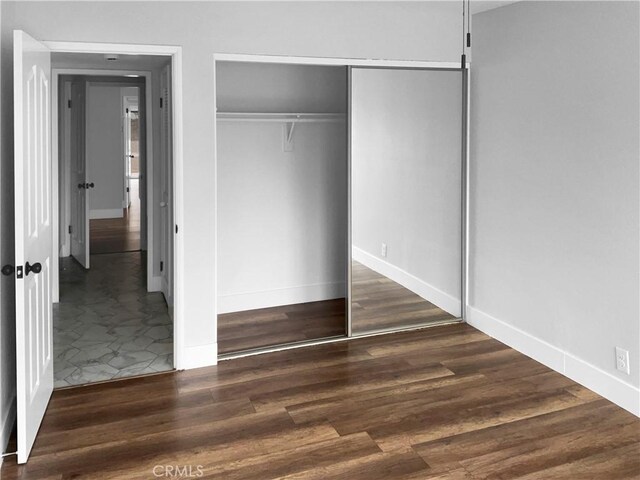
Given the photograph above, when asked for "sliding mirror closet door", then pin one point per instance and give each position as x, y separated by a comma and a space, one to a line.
282, 164
406, 198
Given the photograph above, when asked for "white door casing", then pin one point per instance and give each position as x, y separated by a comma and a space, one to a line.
79, 197
33, 236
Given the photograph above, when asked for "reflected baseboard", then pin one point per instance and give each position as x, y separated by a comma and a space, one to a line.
446, 302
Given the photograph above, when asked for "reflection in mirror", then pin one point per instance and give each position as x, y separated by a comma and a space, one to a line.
406, 208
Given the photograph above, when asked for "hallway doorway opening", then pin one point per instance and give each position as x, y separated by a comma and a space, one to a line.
114, 317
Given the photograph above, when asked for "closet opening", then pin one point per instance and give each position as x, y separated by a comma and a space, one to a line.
341, 187
282, 204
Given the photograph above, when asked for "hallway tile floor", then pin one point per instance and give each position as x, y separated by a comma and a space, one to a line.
106, 325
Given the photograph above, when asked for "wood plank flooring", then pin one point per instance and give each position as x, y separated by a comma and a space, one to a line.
441, 403
115, 235
279, 325
380, 303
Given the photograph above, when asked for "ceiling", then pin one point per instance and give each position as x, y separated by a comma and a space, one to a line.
98, 61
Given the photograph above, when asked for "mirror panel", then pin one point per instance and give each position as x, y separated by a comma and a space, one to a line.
406, 198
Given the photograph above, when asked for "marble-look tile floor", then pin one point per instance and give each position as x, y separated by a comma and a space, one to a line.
106, 325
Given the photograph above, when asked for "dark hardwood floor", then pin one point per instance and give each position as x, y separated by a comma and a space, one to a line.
279, 325
446, 402
379, 303
116, 235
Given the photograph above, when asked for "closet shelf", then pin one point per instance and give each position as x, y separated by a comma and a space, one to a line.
280, 117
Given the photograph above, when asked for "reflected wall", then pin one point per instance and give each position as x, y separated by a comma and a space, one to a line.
406, 197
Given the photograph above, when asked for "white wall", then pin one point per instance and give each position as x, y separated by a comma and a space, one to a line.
392, 30
105, 151
282, 215
273, 88
555, 190
406, 179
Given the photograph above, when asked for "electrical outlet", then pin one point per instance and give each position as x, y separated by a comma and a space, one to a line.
383, 250
622, 360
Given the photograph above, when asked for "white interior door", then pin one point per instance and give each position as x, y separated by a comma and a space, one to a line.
128, 155
166, 198
78, 178
33, 230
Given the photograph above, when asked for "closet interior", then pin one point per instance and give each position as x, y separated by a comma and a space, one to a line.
282, 204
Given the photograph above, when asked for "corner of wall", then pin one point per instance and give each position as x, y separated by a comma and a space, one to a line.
612, 388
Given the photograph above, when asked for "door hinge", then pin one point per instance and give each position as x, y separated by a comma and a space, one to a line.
70, 229
69, 103
19, 270
160, 102
176, 228
127, 110
127, 189
161, 266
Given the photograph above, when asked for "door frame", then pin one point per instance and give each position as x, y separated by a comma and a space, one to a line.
350, 63
64, 166
175, 55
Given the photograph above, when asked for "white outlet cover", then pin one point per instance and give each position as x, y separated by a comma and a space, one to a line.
622, 360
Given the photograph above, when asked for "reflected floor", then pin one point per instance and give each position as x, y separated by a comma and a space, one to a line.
380, 303
279, 325
106, 325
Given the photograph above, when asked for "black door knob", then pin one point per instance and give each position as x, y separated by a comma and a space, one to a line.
81, 185
89, 185
35, 268
8, 270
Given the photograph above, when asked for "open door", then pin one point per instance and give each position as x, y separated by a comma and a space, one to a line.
166, 179
33, 230
79, 186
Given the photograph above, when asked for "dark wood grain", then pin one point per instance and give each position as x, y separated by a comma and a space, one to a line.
280, 325
446, 402
115, 235
379, 303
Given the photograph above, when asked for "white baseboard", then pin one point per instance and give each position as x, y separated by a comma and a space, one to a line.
154, 284
610, 387
199, 356
282, 296
430, 293
106, 213
7, 425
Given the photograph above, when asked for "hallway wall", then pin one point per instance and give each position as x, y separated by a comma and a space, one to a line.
105, 164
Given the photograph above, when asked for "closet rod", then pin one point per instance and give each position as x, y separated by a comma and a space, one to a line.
281, 117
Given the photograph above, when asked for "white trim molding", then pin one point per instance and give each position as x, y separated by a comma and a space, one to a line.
317, 292
610, 387
200, 356
175, 53
443, 300
154, 283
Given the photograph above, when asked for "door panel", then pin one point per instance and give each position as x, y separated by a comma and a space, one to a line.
79, 196
166, 198
33, 236
406, 197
